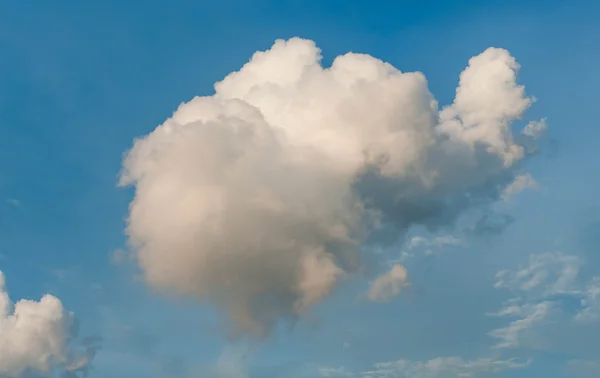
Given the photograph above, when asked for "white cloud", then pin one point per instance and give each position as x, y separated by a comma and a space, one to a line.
520, 183
434, 368
35, 337
389, 284
258, 198
440, 241
536, 129
428, 246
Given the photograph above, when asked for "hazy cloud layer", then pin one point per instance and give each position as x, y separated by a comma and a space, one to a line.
435, 368
257, 199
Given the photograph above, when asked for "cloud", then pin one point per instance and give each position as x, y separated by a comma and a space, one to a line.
536, 129
439, 242
520, 183
426, 247
257, 199
545, 275
590, 303
549, 291
434, 368
531, 315
36, 338
388, 285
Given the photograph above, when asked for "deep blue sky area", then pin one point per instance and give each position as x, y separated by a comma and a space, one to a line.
80, 80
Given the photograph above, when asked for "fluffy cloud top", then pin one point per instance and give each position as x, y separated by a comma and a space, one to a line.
258, 198
35, 337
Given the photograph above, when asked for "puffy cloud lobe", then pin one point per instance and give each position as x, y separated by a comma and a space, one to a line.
258, 198
35, 337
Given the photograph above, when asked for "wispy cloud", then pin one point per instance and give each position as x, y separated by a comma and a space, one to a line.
441, 367
530, 316
539, 289
427, 246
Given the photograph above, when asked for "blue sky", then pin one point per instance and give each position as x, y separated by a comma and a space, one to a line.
80, 81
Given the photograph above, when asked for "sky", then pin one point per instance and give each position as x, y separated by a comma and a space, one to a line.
299, 189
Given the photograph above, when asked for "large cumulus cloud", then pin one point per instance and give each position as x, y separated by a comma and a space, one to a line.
258, 198
36, 338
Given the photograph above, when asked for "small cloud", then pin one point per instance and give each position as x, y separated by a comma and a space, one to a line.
388, 285
438, 242
520, 183
427, 246
536, 129
418, 241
